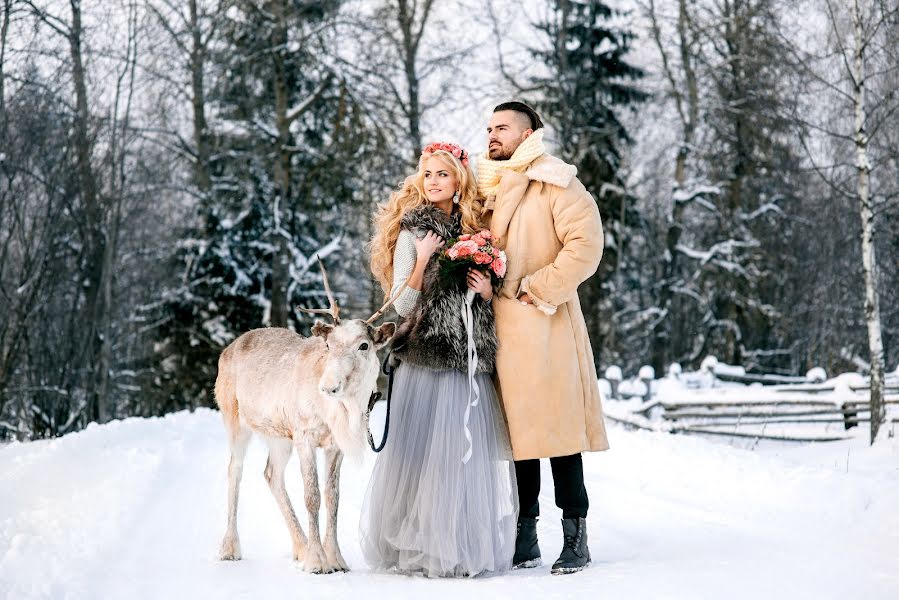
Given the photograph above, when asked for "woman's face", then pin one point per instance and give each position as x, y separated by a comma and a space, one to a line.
440, 183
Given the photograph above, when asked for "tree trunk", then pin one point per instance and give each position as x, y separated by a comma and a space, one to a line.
94, 222
119, 132
198, 101
410, 57
4, 33
661, 336
281, 257
869, 260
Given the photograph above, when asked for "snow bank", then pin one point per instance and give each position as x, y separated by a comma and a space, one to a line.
135, 509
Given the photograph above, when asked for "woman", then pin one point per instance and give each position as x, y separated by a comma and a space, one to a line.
427, 510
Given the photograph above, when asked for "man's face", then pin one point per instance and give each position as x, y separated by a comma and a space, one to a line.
505, 132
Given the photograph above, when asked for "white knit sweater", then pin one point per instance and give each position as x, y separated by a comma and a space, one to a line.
404, 257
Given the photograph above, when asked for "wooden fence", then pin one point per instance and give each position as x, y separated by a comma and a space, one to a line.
801, 410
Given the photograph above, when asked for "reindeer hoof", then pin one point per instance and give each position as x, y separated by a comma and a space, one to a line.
339, 566
230, 549
328, 569
314, 563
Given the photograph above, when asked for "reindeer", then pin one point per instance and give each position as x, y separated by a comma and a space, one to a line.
300, 393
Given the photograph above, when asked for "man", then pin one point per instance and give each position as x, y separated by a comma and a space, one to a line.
549, 225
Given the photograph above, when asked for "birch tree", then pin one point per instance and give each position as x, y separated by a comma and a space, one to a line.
865, 57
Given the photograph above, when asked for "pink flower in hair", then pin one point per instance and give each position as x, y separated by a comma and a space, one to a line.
455, 149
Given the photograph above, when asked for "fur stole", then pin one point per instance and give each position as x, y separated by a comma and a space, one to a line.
433, 335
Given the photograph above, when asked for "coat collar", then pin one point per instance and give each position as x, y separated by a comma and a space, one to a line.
552, 170
546, 169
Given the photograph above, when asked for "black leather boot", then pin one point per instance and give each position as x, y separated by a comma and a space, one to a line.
575, 553
527, 552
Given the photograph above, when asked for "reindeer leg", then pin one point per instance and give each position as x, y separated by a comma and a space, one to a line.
239, 440
333, 460
278, 456
315, 557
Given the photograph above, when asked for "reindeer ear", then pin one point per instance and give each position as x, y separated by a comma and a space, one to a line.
382, 334
322, 329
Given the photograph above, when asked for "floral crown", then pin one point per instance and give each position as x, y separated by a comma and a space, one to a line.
454, 149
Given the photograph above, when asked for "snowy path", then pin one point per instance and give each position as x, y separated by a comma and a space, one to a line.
135, 509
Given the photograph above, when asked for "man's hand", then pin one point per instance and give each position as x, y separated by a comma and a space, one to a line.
525, 299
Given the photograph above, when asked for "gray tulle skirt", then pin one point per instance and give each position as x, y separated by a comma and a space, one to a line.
425, 511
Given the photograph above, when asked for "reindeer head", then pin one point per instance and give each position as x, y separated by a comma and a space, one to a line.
351, 363
350, 366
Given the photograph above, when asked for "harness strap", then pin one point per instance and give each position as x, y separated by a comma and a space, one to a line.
388, 370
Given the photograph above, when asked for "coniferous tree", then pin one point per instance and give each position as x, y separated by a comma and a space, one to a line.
588, 81
288, 142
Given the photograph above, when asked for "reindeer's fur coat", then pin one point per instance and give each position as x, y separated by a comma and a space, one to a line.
299, 393
433, 336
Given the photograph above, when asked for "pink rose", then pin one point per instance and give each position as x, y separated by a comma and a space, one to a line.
499, 267
457, 153
452, 253
482, 258
464, 237
486, 234
465, 248
496, 252
477, 239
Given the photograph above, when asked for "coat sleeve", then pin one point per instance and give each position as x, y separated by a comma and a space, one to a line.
579, 228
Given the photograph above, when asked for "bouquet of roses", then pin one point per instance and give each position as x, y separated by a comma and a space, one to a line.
473, 251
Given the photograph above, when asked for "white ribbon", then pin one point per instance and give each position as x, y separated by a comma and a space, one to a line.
472, 355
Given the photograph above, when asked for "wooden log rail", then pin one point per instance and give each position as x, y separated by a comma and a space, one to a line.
682, 415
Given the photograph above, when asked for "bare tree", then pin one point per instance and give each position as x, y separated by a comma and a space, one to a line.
94, 208
192, 30
862, 55
5, 20
864, 28
407, 56
683, 90
120, 135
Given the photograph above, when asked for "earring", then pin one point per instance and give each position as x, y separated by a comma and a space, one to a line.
456, 197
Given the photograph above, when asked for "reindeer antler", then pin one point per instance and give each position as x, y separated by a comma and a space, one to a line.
384, 308
334, 310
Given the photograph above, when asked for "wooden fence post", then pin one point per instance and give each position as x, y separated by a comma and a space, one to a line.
613, 376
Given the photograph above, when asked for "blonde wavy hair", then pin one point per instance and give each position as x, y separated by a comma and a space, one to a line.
410, 195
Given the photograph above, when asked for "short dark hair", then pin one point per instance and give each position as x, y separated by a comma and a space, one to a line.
524, 109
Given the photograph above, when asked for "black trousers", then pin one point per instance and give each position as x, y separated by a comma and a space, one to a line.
568, 477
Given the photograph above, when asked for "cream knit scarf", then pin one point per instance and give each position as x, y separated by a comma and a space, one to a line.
490, 171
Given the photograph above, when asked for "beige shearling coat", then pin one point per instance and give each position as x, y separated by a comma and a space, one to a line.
550, 228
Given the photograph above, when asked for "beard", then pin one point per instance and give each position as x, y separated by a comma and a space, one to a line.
499, 153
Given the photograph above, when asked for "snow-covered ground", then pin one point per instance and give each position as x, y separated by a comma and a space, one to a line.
136, 509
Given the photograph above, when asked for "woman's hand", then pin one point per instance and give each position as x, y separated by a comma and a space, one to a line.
480, 283
427, 246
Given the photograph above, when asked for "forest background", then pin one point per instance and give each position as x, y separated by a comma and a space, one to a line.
169, 169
